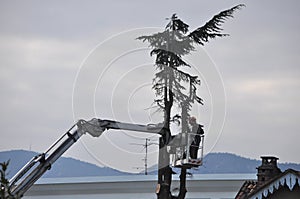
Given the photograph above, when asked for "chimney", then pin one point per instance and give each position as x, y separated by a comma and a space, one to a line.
267, 170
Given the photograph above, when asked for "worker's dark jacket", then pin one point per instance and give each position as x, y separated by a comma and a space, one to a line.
196, 129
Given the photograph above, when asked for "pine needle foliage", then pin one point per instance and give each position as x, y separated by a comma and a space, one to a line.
4, 183
169, 47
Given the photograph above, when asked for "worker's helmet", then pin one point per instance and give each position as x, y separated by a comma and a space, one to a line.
192, 119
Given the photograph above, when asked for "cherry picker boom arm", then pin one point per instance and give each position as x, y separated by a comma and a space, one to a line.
31, 172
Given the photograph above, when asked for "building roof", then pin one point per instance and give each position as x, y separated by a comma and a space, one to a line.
136, 186
247, 188
252, 190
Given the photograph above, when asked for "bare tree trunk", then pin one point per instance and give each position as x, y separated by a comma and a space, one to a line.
164, 180
164, 170
182, 188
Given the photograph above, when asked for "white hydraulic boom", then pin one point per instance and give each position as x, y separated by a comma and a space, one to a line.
39, 164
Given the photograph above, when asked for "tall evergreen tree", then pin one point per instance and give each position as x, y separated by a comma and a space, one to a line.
173, 85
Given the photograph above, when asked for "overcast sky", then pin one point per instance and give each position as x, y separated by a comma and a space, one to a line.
65, 60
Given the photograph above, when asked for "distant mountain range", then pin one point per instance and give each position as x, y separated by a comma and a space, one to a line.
63, 167
231, 163
69, 167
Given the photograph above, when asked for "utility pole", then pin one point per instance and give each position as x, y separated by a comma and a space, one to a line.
146, 156
145, 146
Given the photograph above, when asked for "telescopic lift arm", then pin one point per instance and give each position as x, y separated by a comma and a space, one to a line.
39, 164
